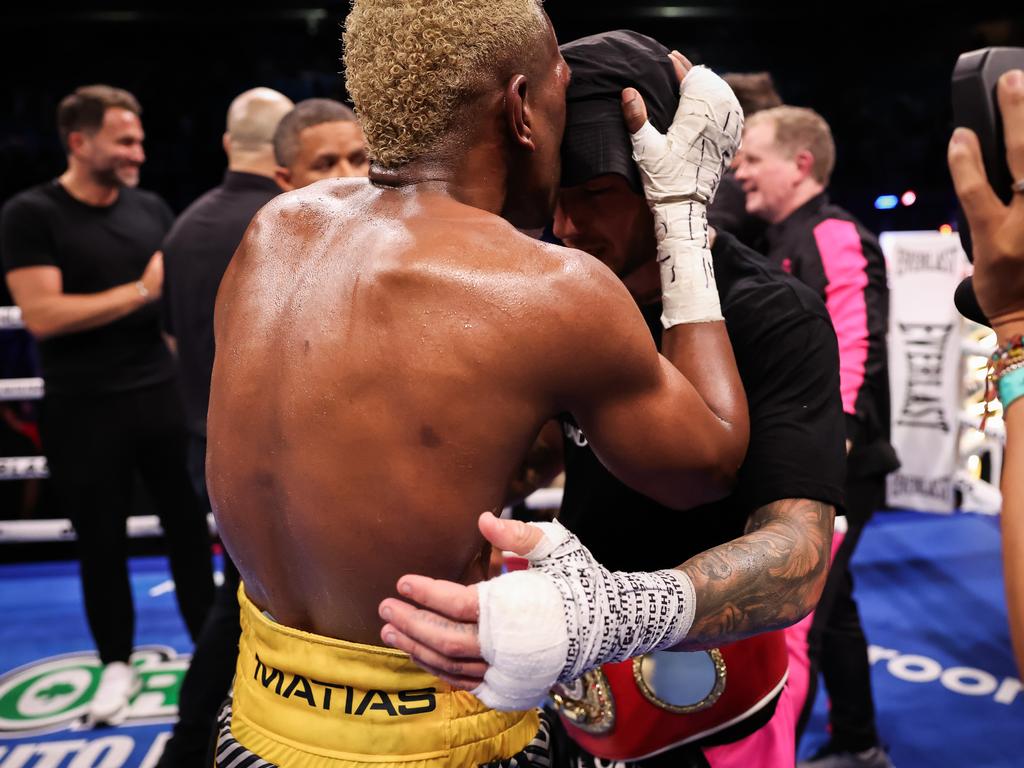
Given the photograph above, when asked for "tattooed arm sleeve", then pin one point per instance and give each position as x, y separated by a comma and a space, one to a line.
769, 578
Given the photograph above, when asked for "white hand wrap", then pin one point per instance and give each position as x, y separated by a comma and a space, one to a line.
680, 172
568, 614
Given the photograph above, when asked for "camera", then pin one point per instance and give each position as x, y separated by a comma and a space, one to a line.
975, 107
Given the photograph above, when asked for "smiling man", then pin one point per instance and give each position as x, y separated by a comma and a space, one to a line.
80, 253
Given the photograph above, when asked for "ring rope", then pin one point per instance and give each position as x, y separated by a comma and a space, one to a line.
10, 318
40, 531
21, 389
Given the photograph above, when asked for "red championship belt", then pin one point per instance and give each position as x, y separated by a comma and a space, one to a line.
637, 708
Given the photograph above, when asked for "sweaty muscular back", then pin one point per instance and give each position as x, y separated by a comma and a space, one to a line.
380, 372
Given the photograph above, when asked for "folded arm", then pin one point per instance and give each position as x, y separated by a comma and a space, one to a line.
47, 311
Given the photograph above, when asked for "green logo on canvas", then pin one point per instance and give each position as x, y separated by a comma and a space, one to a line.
49, 694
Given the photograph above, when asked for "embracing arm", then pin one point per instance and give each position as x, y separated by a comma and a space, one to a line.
677, 439
769, 578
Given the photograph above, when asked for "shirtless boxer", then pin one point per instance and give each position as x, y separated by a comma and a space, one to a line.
387, 352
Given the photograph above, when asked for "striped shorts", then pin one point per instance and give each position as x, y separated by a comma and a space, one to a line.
230, 754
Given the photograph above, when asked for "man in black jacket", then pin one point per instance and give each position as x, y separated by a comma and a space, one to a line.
196, 253
272, 145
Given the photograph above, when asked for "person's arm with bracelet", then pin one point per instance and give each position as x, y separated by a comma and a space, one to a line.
47, 311
998, 234
36, 281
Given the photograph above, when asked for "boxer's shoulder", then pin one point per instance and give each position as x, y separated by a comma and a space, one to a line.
586, 316
331, 198
578, 274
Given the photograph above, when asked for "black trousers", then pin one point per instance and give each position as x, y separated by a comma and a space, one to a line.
837, 647
95, 445
208, 679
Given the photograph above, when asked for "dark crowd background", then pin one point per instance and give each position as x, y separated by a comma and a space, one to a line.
878, 72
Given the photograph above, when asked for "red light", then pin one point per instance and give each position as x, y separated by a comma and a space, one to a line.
909, 197
946, 229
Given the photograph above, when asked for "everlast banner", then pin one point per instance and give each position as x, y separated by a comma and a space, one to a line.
924, 365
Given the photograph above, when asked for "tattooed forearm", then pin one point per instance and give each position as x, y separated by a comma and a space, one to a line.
768, 578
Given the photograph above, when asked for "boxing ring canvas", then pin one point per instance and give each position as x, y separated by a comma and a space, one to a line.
930, 591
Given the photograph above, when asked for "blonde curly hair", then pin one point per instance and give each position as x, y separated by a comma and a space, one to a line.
411, 64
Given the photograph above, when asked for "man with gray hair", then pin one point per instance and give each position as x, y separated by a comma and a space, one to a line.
319, 139
785, 165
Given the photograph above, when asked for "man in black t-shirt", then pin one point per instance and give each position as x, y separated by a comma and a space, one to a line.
758, 559
753, 551
769, 542
81, 261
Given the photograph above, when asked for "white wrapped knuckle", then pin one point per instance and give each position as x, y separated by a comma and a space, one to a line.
648, 143
679, 186
568, 614
554, 534
523, 638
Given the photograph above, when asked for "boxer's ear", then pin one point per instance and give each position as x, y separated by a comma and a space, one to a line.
517, 113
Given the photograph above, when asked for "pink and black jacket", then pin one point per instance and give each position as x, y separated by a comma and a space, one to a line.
826, 248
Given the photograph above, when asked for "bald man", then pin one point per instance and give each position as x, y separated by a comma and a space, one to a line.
200, 245
319, 139
196, 253
272, 145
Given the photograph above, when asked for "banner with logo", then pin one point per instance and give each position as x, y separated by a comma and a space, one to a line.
924, 365
43, 706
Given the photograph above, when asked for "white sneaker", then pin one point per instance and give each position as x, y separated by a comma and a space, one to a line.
109, 705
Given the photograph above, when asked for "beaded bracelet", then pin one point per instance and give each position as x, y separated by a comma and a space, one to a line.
1011, 386
1006, 362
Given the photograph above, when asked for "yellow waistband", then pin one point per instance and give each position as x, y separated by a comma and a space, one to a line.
307, 701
